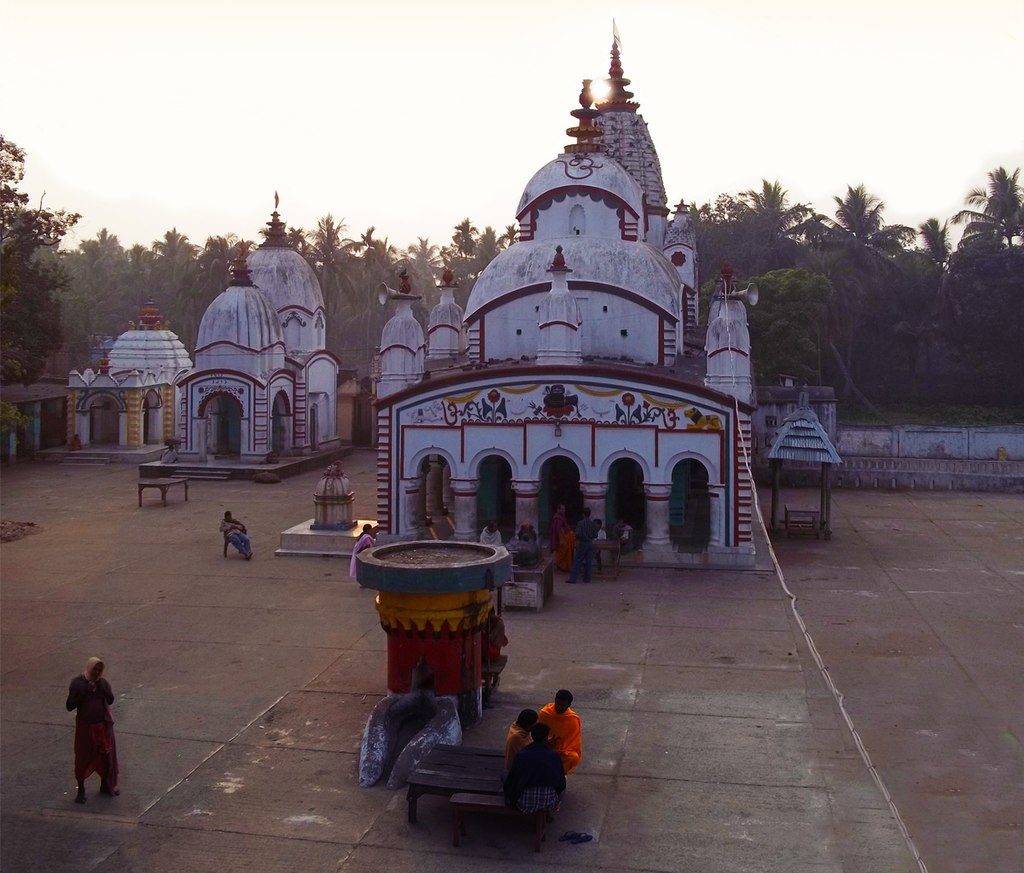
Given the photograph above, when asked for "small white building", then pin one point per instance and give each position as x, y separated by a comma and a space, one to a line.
263, 382
574, 387
129, 402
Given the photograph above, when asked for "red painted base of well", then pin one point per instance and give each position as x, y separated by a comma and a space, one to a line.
455, 660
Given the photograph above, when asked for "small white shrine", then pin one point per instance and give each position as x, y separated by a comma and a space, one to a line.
128, 403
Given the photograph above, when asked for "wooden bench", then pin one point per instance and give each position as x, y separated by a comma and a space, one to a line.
449, 770
614, 550
463, 803
163, 485
803, 521
492, 675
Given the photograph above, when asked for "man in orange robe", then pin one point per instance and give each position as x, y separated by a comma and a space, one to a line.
566, 730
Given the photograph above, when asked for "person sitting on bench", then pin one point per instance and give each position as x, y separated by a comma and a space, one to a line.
490, 535
525, 547
237, 535
518, 736
536, 780
566, 730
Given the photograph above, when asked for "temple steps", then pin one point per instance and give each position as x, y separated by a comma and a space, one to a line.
86, 459
202, 473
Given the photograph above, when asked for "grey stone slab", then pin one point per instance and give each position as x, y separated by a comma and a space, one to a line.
693, 825
725, 613
274, 791
719, 749
41, 776
562, 641
152, 849
356, 672
316, 720
531, 681
68, 845
688, 647
770, 694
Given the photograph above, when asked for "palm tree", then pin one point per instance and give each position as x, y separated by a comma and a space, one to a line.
776, 222
857, 247
997, 212
935, 241
510, 235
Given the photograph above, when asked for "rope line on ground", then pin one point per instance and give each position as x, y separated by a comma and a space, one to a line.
837, 695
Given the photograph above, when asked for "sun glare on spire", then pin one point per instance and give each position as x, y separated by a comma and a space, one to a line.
599, 90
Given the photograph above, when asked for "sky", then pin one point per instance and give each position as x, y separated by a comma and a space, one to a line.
409, 116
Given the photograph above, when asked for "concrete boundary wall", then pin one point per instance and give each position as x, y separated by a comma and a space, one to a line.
1005, 442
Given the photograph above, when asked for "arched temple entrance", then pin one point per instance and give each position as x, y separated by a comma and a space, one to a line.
625, 499
226, 425
689, 506
104, 422
281, 419
152, 420
559, 483
495, 499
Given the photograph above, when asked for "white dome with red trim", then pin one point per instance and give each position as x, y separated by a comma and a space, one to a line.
594, 171
631, 266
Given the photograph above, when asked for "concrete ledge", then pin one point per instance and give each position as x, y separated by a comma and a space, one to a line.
288, 466
303, 540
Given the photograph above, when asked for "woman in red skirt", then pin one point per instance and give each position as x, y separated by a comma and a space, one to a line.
95, 750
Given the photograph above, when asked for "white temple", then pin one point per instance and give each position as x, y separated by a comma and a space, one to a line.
263, 383
129, 402
578, 383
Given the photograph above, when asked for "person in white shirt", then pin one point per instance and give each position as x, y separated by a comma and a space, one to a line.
490, 535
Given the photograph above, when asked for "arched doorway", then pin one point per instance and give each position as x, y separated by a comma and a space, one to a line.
625, 500
280, 425
314, 426
152, 421
559, 483
226, 425
495, 500
689, 506
104, 422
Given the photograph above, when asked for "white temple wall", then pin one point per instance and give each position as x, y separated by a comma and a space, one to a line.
579, 213
510, 330
322, 380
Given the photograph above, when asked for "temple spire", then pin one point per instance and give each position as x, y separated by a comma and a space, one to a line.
618, 97
586, 131
276, 234
238, 273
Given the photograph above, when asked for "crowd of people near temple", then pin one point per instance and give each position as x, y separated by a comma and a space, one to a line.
572, 546
541, 749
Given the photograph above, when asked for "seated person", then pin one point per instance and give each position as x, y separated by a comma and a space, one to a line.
525, 547
490, 535
518, 737
623, 532
566, 730
237, 535
536, 779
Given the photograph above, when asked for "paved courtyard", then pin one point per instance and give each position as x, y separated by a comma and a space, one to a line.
710, 741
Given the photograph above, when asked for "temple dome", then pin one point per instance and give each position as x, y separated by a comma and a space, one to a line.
590, 170
240, 315
150, 347
633, 266
285, 278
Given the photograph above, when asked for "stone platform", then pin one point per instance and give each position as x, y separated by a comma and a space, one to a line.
303, 540
226, 469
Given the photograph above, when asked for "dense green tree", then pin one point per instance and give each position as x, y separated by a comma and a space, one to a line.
787, 326
995, 212
31, 279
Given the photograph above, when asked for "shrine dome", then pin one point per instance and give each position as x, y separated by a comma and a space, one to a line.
635, 267
150, 347
241, 316
282, 274
594, 171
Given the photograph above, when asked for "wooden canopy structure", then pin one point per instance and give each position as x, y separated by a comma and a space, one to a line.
802, 438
